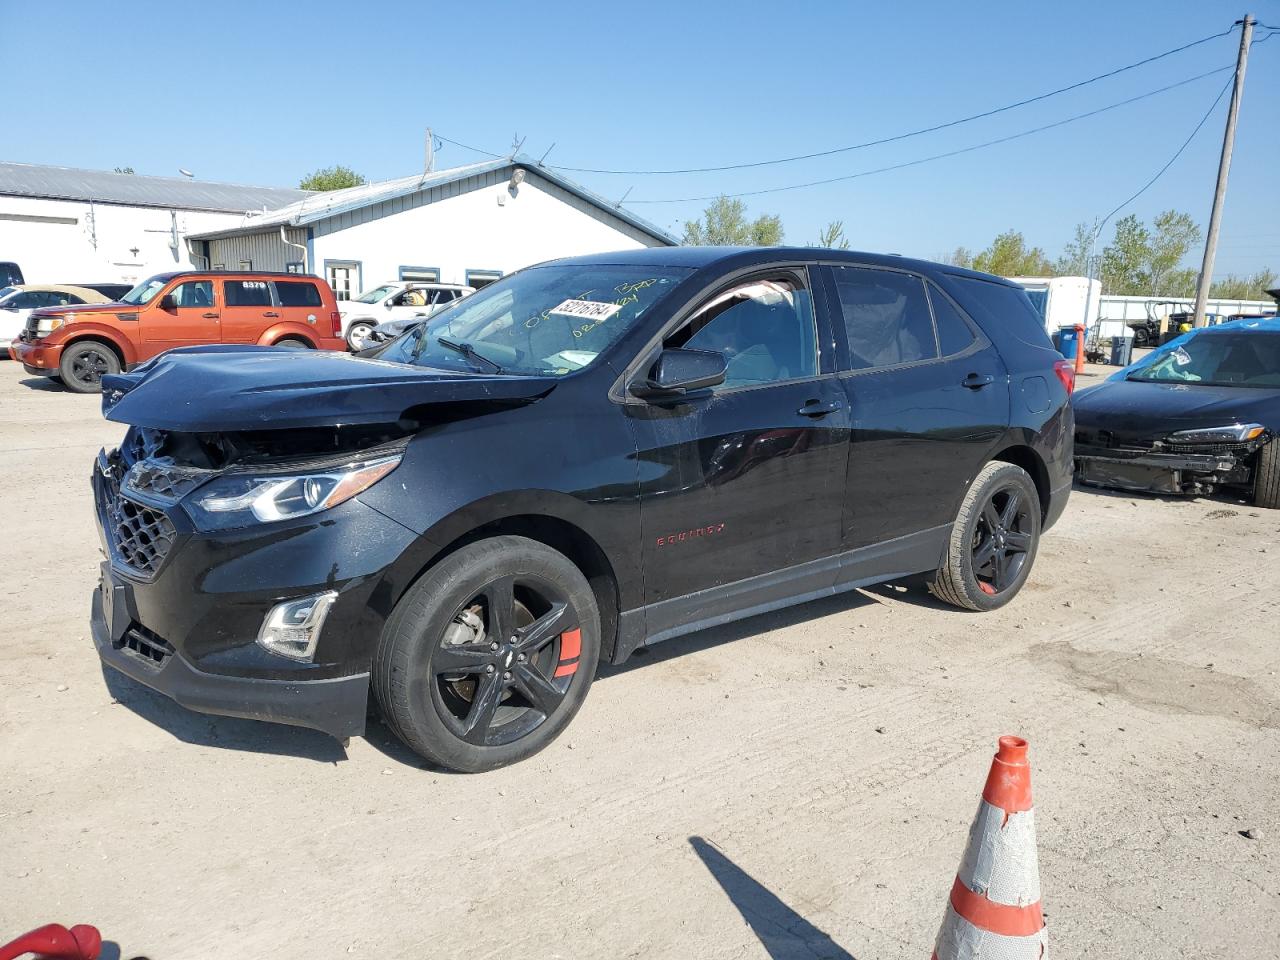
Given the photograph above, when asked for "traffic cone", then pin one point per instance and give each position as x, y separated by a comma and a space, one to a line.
994, 913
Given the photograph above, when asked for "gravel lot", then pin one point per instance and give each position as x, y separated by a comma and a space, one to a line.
796, 785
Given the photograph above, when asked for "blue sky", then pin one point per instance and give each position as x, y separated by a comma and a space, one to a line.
265, 92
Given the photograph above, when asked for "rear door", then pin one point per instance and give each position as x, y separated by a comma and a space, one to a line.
193, 318
744, 480
247, 310
929, 396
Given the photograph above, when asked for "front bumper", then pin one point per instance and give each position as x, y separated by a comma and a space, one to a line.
40, 359
336, 706
1186, 474
187, 625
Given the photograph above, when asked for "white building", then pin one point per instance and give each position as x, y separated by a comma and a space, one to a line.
63, 225
470, 224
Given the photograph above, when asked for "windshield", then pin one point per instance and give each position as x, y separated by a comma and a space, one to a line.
6, 292
376, 294
546, 320
144, 291
1238, 359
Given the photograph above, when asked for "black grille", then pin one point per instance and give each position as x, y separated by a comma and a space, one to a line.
1213, 448
140, 536
145, 643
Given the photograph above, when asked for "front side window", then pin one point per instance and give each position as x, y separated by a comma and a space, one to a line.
886, 317
144, 292
193, 293
764, 328
546, 321
247, 293
1236, 359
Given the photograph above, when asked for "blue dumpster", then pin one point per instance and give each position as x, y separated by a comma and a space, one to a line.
1066, 342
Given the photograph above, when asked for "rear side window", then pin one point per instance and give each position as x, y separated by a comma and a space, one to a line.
1001, 309
886, 317
293, 293
247, 293
954, 335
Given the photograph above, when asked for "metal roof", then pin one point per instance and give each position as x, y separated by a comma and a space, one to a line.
321, 206
70, 183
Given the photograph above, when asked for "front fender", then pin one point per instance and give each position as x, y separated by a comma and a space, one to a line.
82, 330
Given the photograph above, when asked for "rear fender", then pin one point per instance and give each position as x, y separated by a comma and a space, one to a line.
303, 331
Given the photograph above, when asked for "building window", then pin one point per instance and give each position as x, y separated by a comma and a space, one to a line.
422, 274
344, 277
246, 265
219, 266
482, 278
293, 266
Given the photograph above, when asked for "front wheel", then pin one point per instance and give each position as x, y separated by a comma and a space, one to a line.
489, 655
993, 542
358, 335
85, 363
1266, 482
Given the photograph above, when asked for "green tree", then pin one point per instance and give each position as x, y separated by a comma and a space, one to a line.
1125, 258
1009, 256
331, 178
832, 236
1252, 287
725, 223
959, 257
1074, 261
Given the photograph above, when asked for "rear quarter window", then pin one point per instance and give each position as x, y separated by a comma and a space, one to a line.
1002, 311
297, 293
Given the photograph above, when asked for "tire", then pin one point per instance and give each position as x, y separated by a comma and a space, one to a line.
1141, 337
358, 335
293, 343
84, 363
464, 699
994, 540
1266, 483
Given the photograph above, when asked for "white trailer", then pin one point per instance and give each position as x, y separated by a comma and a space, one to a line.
1063, 301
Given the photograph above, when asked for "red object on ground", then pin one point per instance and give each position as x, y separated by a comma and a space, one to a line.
56, 942
1079, 349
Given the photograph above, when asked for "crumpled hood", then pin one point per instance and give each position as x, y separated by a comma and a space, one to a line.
1151, 409
219, 388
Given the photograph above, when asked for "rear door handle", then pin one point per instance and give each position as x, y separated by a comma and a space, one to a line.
976, 381
209, 316
271, 313
819, 408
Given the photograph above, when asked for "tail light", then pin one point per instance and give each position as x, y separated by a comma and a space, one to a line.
336, 319
1066, 372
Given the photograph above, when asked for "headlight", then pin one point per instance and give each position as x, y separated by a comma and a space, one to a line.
238, 500
46, 325
1235, 433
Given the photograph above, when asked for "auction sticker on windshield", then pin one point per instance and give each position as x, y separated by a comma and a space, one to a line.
589, 309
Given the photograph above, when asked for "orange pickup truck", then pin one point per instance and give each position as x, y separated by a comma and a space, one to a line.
78, 345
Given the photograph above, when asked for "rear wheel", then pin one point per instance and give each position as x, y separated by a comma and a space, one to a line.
489, 655
84, 364
993, 542
1266, 483
293, 343
1141, 338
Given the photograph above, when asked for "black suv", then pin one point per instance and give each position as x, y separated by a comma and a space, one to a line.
585, 457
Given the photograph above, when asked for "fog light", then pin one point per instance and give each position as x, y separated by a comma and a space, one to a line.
292, 628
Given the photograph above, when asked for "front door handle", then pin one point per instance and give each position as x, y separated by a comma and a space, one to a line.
271, 313
819, 408
209, 316
976, 381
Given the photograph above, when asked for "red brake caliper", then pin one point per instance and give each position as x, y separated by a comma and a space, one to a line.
570, 651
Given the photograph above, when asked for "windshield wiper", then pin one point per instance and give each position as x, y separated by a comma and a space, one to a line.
470, 352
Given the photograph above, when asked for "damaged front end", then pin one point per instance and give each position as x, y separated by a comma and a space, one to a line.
1184, 463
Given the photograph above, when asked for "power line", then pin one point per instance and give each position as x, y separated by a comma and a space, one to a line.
949, 153
486, 153
901, 136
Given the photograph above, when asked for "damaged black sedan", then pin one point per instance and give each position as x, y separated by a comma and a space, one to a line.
580, 459
1199, 415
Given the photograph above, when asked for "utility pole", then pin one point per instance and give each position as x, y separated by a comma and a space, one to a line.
1224, 167
431, 151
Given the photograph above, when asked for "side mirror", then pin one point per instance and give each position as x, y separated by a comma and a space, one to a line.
168, 302
677, 372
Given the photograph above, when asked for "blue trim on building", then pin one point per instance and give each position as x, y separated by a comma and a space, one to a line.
311, 250
416, 269
483, 274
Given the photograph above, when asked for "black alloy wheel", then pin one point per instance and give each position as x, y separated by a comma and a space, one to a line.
506, 660
993, 540
85, 363
1002, 540
489, 655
